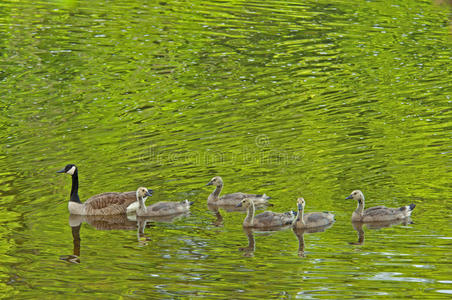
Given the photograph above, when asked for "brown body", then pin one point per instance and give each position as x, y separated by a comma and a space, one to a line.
103, 204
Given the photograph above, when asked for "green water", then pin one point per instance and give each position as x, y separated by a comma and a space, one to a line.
302, 98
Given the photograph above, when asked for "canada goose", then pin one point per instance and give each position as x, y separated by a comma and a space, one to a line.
163, 208
231, 199
377, 213
310, 220
265, 219
102, 204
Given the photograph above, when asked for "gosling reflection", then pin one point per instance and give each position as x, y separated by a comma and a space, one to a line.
248, 251
299, 233
216, 211
142, 223
358, 226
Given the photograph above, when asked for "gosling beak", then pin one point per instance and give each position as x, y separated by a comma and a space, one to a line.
61, 171
210, 183
300, 207
149, 193
239, 205
349, 197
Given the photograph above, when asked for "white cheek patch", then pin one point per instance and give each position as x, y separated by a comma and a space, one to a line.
71, 170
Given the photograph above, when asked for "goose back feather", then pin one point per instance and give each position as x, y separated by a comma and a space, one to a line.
266, 219
232, 199
163, 208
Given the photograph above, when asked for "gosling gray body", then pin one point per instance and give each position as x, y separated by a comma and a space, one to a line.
231, 199
311, 220
163, 208
378, 213
266, 219
99, 205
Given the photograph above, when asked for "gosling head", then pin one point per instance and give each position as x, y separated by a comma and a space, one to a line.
143, 193
217, 181
357, 195
301, 203
70, 169
245, 203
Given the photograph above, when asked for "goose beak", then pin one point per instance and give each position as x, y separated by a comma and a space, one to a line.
300, 207
349, 197
239, 205
61, 171
149, 193
209, 183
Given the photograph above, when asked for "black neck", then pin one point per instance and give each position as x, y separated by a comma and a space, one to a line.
74, 190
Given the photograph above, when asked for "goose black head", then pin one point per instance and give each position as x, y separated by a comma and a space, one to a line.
69, 169
215, 181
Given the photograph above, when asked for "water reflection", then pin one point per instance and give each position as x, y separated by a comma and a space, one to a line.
358, 226
115, 222
248, 251
75, 257
142, 222
218, 217
299, 233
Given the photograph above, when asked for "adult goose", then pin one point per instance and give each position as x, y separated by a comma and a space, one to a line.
377, 213
310, 220
163, 208
231, 199
102, 204
266, 219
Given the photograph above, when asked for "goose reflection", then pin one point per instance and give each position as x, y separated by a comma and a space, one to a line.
75, 257
299, 233
358, 226
114, 222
